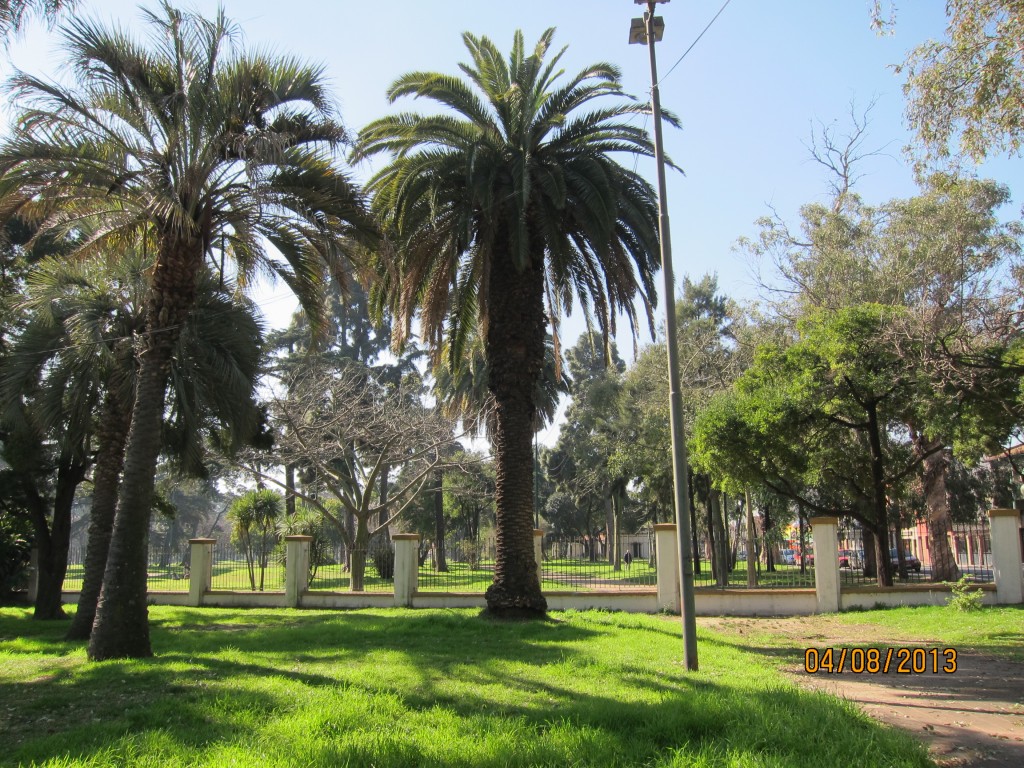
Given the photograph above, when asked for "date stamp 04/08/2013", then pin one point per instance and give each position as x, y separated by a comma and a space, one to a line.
872, 661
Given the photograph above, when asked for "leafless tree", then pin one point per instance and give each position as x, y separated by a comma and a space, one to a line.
345, 429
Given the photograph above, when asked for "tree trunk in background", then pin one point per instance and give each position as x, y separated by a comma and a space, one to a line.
615, 539
440, 559
357, 573
712, 539
112, 434
901, 555
53, 559
514, 349
940, 520
879, 500
751, 543
870, 562
695, 544
350, 530
609, 526
289, 487
722, 538
382, 516
803, 539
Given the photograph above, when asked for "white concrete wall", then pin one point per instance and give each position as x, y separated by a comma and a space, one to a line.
755, 602
907, 595
632, 602
228, 599
450, 600
348, 600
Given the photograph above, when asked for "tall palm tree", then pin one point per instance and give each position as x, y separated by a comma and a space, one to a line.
506, 207
203, 143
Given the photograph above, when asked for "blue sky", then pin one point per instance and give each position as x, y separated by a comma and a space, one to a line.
748, 94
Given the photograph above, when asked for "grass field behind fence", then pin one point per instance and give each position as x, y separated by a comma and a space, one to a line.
396, 688
562, 574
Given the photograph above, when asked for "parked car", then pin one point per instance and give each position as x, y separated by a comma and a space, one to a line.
788, 556
851, 558
807, 558
913, 564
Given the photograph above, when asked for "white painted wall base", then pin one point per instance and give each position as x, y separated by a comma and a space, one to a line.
908, 595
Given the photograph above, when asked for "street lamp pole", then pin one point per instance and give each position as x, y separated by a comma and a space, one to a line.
653, 27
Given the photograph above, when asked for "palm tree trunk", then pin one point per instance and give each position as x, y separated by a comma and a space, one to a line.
121, 628
515, 358
112, 434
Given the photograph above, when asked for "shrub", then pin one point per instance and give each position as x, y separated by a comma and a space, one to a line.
964, 598
15, 548
384, 562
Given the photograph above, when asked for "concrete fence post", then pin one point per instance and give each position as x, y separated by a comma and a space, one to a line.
1006, 555
296, 568
200, 569
407, 569
667, 551
825, 531
538, 553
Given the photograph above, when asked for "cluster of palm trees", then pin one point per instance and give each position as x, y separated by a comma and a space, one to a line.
203, 159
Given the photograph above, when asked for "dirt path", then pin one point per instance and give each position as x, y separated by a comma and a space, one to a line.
974, 717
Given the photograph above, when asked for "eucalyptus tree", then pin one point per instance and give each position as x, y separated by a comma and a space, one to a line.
715, 337
194, 138
505, 208
581, 460
952, 267
968, 89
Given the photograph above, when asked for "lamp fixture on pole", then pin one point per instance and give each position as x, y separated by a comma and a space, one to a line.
648, 31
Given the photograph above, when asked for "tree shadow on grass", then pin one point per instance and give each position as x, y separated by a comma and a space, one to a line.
401, 688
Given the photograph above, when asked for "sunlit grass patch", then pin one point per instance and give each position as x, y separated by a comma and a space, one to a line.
417, 688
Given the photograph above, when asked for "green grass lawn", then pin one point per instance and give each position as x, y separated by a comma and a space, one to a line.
998, 630
417, 688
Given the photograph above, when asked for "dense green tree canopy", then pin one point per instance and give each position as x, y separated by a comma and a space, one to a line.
967, 90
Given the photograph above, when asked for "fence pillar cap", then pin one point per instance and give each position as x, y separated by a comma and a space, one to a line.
298, 537
405, 537
998, 512
664, 526
824, 520
202, 541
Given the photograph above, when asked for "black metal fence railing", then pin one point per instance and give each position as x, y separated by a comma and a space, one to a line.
778, 562
238, 571
334, 568
964, 551
167, 569
466, 566
584, 565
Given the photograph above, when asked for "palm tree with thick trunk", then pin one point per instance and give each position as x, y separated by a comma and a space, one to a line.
505, 208
202, 143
